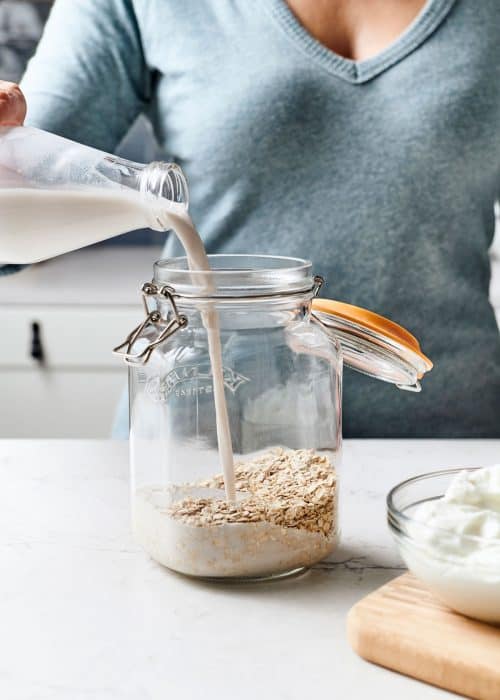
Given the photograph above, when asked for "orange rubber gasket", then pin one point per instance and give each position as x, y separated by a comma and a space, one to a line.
373, 322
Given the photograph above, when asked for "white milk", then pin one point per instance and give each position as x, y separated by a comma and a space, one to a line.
37, 224
233, 549
40, 224
198, 260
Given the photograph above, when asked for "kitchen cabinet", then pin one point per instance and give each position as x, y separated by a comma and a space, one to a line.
84, 303
60, 321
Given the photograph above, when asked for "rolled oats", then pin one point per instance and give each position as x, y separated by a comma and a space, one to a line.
288, 488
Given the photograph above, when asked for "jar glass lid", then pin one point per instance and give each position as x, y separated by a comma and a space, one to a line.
372, 344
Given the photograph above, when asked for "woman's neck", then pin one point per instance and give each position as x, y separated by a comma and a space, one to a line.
356, 29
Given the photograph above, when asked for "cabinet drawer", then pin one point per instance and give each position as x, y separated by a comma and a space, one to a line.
70, 336
59, 403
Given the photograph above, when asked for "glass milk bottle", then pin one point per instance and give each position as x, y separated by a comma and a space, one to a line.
57, 195
282, 354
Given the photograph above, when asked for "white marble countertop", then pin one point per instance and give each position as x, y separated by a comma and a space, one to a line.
84, 614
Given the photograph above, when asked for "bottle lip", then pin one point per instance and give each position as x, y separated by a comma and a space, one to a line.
237, 276
164, 187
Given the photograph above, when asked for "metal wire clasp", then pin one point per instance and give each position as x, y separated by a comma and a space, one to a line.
154, 319
318, 283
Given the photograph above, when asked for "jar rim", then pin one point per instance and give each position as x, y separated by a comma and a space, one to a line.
237, 275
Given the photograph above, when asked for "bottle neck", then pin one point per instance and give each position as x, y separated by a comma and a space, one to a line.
162, 186
164, 181
163, 189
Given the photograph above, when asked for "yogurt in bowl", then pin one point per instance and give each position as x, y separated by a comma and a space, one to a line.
447, 527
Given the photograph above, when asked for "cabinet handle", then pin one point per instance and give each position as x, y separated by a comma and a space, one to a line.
36, 350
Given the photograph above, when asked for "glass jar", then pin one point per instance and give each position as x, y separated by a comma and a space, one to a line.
282, 352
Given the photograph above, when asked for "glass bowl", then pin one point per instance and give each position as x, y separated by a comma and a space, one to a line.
462, 570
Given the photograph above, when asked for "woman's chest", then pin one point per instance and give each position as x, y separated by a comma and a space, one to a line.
231, 99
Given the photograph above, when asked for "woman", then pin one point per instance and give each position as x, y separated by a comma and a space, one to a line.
361, 134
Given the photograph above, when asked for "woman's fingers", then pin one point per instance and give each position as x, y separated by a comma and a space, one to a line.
12, 104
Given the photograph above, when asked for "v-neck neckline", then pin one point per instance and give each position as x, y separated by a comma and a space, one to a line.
424, 24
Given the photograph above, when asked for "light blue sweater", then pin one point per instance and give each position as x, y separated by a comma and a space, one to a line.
384, 173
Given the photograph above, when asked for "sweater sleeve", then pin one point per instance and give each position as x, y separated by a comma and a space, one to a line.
88, 79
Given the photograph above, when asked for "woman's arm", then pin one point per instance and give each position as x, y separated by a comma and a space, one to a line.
88, 76
88, 79
12, 113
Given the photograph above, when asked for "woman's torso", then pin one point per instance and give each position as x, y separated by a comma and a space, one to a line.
383, 173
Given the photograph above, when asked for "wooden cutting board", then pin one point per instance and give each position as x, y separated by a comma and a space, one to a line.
404, 627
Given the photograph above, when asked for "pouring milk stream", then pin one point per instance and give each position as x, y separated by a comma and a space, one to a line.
54, 216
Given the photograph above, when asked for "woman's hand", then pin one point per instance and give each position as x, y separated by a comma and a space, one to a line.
12, 104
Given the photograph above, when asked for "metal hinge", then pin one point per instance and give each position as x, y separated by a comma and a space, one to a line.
154, 319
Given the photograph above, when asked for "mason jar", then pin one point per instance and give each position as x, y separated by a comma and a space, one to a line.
283, 350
